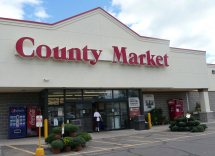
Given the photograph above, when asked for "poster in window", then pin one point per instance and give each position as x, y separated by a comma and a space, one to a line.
149, 102
134, 111
133, 102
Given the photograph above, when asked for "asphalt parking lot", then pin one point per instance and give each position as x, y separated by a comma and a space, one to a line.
163, 143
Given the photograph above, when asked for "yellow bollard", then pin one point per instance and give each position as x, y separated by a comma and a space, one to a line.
149, 120
39, 152
45, 128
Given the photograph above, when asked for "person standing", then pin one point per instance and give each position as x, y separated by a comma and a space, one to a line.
98, 118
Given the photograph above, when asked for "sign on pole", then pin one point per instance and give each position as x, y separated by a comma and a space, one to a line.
39, 121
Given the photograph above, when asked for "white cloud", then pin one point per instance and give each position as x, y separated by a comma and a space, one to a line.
187, 24
41, 13
16, 9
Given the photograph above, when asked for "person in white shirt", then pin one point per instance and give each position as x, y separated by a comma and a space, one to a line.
98, 117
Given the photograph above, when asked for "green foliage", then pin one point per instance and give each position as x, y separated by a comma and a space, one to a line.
174, 128
198, 107
194, 129
157, 117
192, 118
200, 128
73, 144
76, 142
187, 128
182, 129
68, 128
181, 119
193, 123
67, 141
196, 123
181, 124
82, 140
204, 125
86, 136
50, 138
57, 144
184, 124
57, 130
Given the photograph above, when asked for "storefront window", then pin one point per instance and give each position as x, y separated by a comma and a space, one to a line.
56, 115
55, 97
73, 105
97, 94
55, 107
73, 95
70, 105
133, 93
119, 94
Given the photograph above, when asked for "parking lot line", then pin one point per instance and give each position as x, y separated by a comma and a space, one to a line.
20, 149
93, 151
139, 141
144, 141
105, 142
98, 147
45, 145
133, 136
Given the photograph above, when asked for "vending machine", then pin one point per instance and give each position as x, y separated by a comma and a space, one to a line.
17, 122
32, 112
176, 108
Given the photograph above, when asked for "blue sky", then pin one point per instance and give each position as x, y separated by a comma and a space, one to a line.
61, 9
186, 23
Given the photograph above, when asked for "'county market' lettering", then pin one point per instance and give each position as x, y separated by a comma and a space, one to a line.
86, 54
120, 55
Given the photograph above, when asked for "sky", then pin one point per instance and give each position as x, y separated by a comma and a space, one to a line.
187, 24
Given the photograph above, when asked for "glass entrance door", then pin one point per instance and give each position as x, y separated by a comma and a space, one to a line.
116, 115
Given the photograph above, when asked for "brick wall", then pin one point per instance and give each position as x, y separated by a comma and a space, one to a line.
193, 99
212, 100
161, 99
14, 99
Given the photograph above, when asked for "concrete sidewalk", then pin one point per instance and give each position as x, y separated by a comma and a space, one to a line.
95, 135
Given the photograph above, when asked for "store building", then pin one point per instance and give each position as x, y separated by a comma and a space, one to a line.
92, 60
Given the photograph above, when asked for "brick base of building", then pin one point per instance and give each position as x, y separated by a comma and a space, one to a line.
207, 116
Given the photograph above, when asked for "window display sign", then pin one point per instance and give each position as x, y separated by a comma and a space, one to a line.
134, 112
55, 122
60, 111
17, 122
133, 102
149, 102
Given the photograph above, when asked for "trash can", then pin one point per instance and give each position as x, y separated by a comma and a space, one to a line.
139, 122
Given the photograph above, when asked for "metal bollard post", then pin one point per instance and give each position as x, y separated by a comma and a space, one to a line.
149, 120
45, 128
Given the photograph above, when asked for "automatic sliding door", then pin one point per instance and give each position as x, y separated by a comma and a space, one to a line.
124, 114
113, 116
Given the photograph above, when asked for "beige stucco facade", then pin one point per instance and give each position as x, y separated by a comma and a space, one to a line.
112, 58
96, 29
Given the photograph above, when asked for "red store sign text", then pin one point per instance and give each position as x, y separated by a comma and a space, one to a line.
120, 55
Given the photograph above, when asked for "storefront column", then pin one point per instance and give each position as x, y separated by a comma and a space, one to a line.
141, 102
204, 100
206, 114
45, 112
